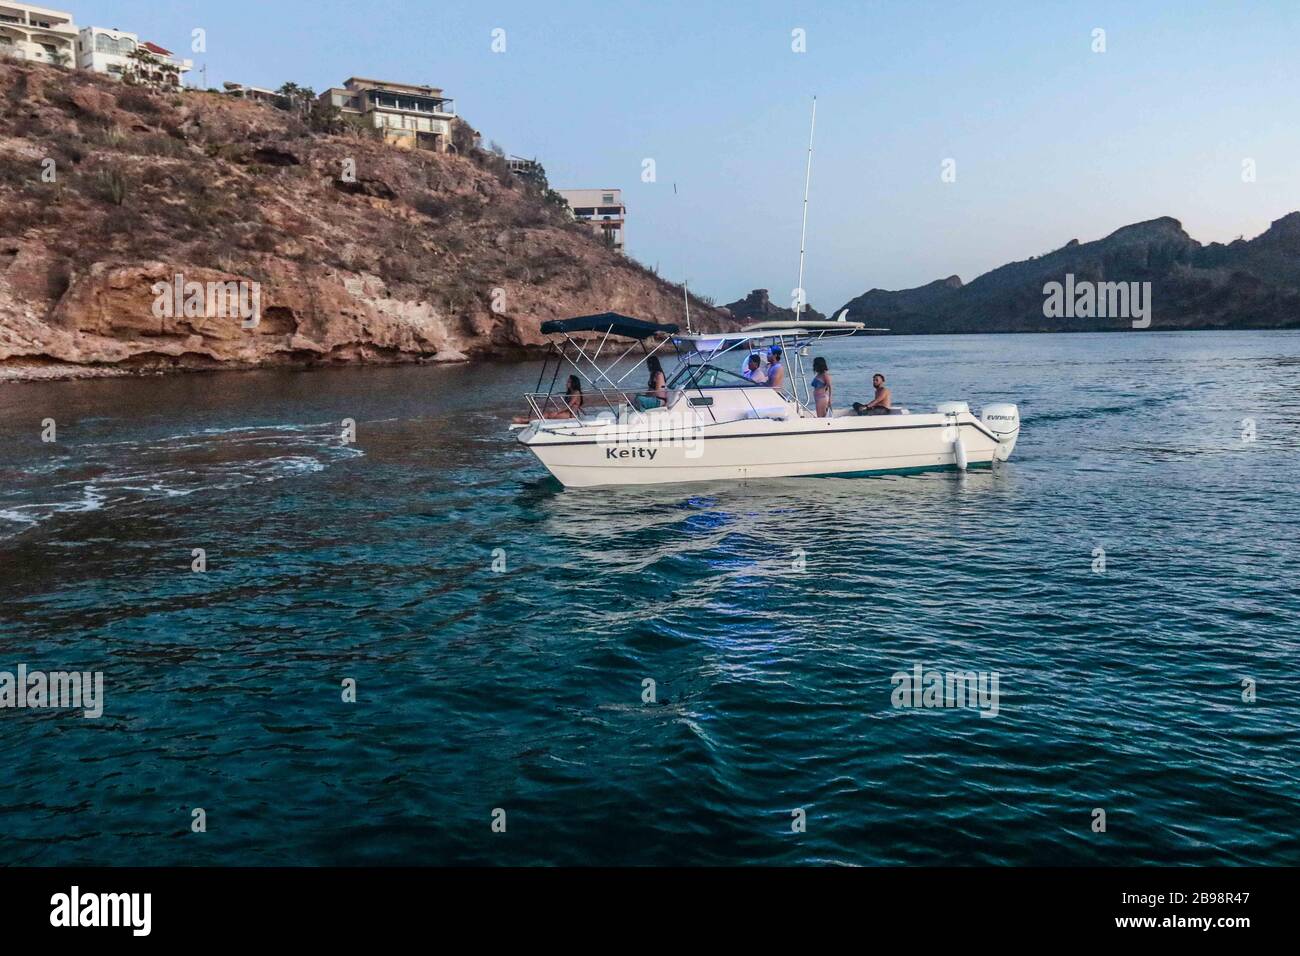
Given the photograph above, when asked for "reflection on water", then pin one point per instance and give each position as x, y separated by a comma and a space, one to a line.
769, 615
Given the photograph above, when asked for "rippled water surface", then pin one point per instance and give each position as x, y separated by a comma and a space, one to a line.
771, 617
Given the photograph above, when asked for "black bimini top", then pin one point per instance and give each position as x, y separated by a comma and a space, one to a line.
610, 322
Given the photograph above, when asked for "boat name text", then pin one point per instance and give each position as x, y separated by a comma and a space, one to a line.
631, 453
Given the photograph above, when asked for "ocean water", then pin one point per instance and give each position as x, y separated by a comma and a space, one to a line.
771, 617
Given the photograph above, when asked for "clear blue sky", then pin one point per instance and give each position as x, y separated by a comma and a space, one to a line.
1051, 140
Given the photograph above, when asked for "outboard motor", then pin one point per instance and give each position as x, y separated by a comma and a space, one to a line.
1003, 420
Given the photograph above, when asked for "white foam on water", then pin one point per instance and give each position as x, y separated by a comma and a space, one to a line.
17, 517
124, 476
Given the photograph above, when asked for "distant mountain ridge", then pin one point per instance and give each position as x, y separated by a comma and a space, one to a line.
759, 307
1248, 283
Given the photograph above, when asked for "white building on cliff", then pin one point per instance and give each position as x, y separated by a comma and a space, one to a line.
37, 33
120, 53
603, 209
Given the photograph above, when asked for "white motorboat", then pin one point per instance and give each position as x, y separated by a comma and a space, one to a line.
715, 425
712, 424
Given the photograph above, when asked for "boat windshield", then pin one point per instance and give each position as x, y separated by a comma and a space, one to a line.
709, 376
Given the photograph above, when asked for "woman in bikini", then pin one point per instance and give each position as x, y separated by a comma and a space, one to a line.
821, 386
656, 393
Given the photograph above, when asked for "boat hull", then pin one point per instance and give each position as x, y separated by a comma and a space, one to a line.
612, 455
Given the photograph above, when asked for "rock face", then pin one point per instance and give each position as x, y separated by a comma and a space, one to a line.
358, 252
1245, 284
758, 307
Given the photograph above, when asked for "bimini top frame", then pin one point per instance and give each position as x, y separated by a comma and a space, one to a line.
586, 362
791, 337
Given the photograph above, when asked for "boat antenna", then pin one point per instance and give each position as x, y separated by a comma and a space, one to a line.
685, 282
803, 238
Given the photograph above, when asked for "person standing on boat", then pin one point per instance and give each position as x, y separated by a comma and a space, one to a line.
657, 388
754, 373
775, 370
821, 386
881, 404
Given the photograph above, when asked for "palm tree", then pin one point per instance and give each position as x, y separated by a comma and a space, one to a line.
299, 99
152, 70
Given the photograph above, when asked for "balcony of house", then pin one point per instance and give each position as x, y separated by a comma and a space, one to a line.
600, 213
66, 32
412, 130
393, 102
43, 48
37, 19
344, 100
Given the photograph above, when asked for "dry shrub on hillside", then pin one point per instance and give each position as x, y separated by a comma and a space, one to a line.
469, 209
18, 170
126, 222
493, 159
401, 267
111, 184
525, 215
16, 217
156, 144
138, 100
105, 137
67, 148
431, 205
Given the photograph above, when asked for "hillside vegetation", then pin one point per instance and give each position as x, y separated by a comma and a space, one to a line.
362, 251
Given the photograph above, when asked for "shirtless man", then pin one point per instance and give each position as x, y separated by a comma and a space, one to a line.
775, 369
881, 404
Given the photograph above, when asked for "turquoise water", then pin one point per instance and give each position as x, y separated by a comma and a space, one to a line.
771, 617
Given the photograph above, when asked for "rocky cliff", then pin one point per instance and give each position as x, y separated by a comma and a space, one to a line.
1251, 283
358, 251
759, 307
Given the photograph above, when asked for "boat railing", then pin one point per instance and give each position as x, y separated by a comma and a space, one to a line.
594, 401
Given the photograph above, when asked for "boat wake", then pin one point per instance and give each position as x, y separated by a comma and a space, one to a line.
96, 476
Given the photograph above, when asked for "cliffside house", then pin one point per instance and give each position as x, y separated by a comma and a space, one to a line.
523, 167
251, 92
121, 54
37, 33
603, 209
408, 116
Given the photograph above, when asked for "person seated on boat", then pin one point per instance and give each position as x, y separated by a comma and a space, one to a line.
754, 373
573, 400
881, 404
821, 386
571, 407
657, 388
747, 349
775, 370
